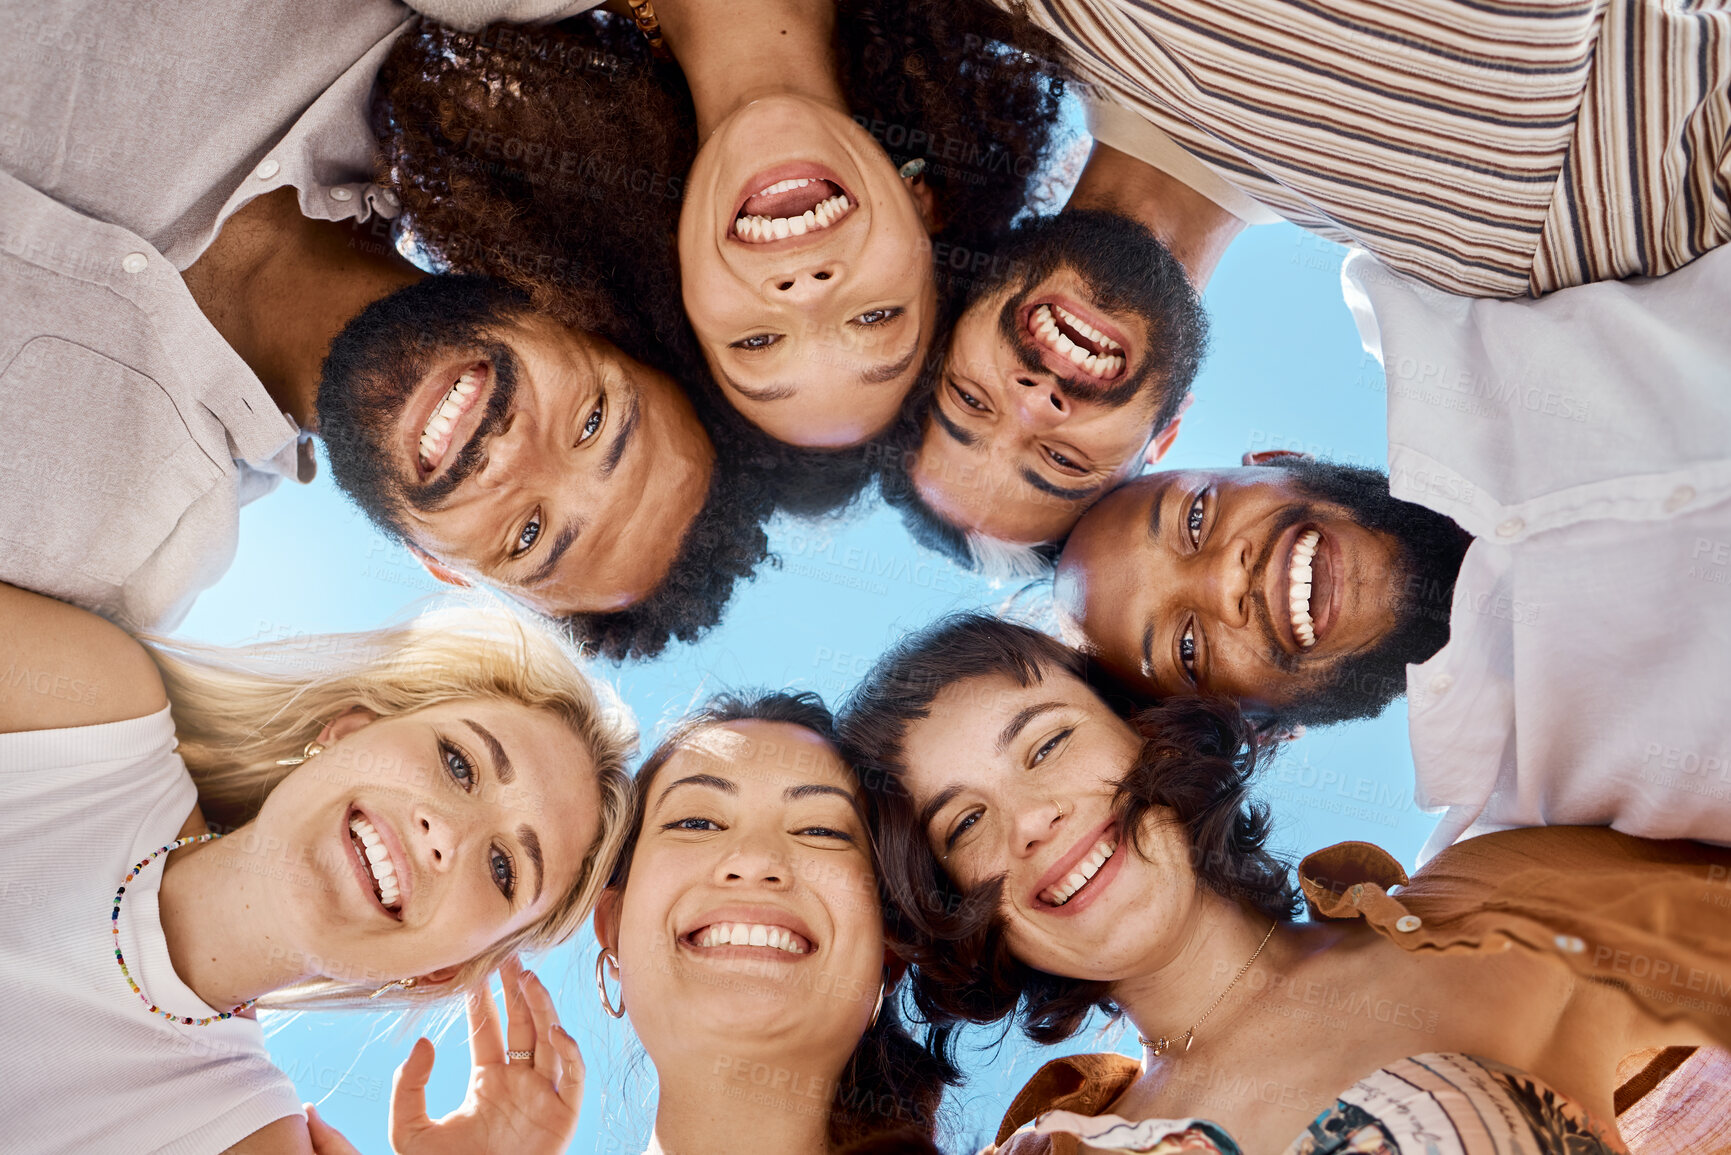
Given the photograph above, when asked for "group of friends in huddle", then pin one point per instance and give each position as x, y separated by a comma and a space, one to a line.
698, 263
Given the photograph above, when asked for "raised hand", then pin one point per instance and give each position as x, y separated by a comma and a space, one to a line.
514, 1107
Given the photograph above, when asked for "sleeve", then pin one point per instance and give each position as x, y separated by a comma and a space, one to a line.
470, 15
1116, 126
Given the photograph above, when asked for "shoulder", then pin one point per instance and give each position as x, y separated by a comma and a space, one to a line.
61, 666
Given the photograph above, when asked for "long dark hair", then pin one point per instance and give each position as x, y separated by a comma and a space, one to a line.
1198, 757
892, 1084
557, 158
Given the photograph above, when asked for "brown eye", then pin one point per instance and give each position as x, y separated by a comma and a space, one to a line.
1194, 521
1187, 651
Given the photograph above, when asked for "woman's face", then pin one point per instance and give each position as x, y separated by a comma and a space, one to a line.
806, 262
1018, 782
750, 922
415, 842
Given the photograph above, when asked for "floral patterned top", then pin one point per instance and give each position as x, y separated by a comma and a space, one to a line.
1434, 1104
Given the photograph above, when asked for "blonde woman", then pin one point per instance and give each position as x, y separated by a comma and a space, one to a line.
375, 820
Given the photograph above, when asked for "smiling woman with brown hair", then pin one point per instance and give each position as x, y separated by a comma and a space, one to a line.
1047, 856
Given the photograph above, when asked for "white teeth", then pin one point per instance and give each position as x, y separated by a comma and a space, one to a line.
782, 186
1106, 364
436, 435
1085, 870
1299, 579
1086, 329
750, 934
757, 229
379, 862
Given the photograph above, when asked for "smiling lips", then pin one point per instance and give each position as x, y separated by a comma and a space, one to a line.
1303, 551
749, 934
377, 860
1084, 873
1076, 341
790, 208
436, 437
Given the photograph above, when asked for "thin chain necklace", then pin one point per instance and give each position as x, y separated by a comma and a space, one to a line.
1161, 1045
114, 925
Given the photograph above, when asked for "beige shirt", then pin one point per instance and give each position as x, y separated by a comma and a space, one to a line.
130, 433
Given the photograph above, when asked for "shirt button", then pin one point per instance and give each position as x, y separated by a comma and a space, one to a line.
134, 262
1407, 923
1680, 497
1511, 527
341, 194
1440, 684
1569, 944
266, 169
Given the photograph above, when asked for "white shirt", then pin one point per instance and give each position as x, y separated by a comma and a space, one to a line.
85, 1066
130, 433
1584, 440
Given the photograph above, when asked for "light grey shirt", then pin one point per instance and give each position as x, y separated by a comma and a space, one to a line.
130, 433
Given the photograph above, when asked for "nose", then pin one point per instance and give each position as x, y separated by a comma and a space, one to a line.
1035, 822
1039, 402
510, 454
803, 283
433, 839
1228, 579
755, 861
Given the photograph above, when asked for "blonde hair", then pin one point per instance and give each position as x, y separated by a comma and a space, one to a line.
237, 711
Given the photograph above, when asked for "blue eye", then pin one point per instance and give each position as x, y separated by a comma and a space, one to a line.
458, 766
878, 316
503, 872
691, 824
757, 341
962, 827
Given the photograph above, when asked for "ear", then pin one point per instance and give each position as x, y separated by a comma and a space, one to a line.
439, 977
894, 968
607, 919
1168, 433
925, 201
346, 723
1275, 456
436, 567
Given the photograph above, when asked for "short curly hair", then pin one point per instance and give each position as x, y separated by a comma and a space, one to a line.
1198, 758
556, 158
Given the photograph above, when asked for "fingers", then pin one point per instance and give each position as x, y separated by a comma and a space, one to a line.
520, 1017
326, 1139
409, 1094
570, 1080
486, 1040
545, 1019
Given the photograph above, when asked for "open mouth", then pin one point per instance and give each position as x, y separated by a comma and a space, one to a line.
376, 862
466, 389
725, 934
1310, 586
792, 207
1074, 339
1078, 879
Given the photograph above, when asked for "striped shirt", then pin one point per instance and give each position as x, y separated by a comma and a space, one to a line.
1491, 148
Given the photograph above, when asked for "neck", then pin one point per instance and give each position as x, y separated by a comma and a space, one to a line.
1172, 998
1195, 228
279, 286
714, 1101
733, 52
216, 918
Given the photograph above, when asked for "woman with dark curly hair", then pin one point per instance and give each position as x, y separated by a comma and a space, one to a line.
1046, 856
843, 147
742, 932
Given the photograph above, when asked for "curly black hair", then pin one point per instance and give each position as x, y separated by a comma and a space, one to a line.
1198, 758
556, 158
890, 1092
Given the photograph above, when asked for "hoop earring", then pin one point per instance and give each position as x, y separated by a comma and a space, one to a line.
912, 168
311, 750
407, 984
877, 1010
603, 960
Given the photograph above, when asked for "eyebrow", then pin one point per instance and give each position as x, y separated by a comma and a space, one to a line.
502, 768
940, 800
622, 439
813, 789
713, 781
1044, 486
1020, 722
890, 372
532, 847
1154, 511
768, 393
967, 438
555, 552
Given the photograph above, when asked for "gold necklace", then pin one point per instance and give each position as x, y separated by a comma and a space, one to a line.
1161, 1045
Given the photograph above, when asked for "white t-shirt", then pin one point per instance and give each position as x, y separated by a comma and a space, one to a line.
1584, 439
84, 1065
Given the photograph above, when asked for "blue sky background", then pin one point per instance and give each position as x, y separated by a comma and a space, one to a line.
1285, 371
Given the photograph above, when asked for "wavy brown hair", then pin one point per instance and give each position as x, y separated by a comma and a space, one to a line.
1198, 758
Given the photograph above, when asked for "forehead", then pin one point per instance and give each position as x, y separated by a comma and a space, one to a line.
967, 718
761, 758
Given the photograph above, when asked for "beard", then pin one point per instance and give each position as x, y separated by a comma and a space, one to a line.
1126, 272
1429, 548
373, 369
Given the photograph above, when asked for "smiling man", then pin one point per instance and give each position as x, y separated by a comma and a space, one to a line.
1065, 374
